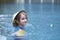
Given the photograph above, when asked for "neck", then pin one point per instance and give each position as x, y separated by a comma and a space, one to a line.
21, 26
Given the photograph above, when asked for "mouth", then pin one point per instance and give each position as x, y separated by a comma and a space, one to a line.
25, 23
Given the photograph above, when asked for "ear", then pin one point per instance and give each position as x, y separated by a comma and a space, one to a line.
15, 21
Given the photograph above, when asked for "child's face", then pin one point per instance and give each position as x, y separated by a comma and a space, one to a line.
23, 19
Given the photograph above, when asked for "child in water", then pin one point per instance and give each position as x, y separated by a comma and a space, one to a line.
19, 21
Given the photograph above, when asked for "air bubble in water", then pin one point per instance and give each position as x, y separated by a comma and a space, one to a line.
51, 25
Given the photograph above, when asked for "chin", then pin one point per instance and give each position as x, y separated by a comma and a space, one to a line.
24, 24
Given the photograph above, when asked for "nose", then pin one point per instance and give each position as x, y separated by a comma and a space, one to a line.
25, 20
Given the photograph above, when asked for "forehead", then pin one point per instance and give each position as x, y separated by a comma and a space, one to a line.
22, 14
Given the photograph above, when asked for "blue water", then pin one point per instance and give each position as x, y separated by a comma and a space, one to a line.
43, 20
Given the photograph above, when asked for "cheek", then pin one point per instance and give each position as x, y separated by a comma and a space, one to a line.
21, 21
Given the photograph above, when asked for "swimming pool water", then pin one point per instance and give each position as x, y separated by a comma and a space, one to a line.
43, 21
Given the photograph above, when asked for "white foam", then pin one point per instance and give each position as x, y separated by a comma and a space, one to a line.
51, 25
3, 37
3, 15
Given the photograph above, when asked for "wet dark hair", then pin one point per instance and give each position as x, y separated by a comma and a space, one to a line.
17, 18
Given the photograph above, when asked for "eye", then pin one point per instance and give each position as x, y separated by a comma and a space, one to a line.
22, 18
